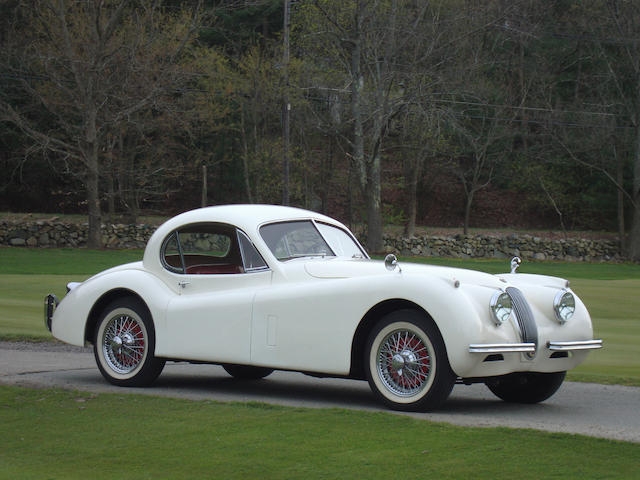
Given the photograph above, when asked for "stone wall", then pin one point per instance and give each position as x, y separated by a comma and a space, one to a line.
48, 233
45, 233
488, 246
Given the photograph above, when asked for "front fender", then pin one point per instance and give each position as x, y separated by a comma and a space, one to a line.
460, 311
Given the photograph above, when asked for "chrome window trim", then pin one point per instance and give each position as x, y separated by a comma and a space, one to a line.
163, 250
242, 254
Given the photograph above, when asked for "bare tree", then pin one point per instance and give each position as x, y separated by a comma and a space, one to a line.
607, 33
88, 70
473, 161
623, 65
361, 43
421, 142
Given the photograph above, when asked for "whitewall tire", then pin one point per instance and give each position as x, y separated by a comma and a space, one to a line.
124, 344
406, 362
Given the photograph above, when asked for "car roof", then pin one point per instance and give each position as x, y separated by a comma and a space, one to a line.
247, 217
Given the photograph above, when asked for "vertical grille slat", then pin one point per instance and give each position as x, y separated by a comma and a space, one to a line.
524, 316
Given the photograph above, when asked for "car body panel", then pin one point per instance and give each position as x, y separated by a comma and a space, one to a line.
306, 313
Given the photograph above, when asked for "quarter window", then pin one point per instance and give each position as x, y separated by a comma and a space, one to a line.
203, 249
251, 258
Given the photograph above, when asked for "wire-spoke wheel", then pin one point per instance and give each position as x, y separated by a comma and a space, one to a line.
407, 364
124, 344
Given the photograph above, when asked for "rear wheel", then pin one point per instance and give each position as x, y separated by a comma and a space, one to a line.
245, 372
526, 387
124, 343
406, 362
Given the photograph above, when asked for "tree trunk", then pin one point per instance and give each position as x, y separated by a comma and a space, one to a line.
412, 173
374, 217
634, 236
93, 201
467, 212
245, 158
368, 172
620, 182
94, 239
205, 195
356, 111
111, 196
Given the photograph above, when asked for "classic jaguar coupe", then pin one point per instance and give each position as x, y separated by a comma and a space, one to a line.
256, 288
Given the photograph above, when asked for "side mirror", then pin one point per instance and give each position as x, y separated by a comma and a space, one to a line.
391, 262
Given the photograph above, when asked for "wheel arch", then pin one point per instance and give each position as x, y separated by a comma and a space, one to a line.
369, 320
100, 304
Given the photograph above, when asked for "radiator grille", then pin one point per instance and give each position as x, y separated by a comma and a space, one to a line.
524, 316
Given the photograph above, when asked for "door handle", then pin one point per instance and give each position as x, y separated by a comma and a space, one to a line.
183, 284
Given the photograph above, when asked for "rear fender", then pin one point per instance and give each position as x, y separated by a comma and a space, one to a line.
74, 320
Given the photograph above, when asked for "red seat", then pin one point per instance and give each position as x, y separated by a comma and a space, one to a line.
212, 269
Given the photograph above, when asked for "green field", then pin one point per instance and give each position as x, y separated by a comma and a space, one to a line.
609, 290
63, 434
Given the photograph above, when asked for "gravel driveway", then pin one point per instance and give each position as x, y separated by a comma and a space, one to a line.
606, 411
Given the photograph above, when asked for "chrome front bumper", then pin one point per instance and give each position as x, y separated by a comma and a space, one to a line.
568, 346
50, 304
502, 348
496, 348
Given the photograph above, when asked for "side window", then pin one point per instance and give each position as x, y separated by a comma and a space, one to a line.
209, 244
172, 257
203, 249
252, 259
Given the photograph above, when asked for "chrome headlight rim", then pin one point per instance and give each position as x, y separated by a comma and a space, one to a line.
564, 306
501, 307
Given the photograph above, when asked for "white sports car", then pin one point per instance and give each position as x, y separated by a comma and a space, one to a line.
257, 288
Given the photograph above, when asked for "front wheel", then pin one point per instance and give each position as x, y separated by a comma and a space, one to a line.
124, 344
526, 387
406, 362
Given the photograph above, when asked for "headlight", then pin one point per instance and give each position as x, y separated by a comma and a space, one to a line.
564, 305
501, 307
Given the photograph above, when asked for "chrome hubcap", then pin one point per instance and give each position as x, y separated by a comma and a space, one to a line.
404, 363
124, 344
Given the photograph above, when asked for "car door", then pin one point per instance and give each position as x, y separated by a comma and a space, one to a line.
306, 326
216, 272
303, 322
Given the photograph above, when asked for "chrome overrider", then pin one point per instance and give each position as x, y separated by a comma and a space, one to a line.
50, 304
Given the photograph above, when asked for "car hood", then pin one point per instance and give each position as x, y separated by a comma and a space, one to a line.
348, 268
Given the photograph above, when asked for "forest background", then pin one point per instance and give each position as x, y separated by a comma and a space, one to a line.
450, 113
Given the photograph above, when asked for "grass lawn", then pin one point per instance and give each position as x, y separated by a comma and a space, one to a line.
609, 290
27, 275
62, 434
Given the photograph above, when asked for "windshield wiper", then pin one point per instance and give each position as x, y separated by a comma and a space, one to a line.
302, 255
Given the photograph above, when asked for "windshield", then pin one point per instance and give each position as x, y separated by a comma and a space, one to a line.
340, 241
289, 240
295, 239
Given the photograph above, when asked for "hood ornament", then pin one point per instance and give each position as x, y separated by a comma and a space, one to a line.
515, 263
